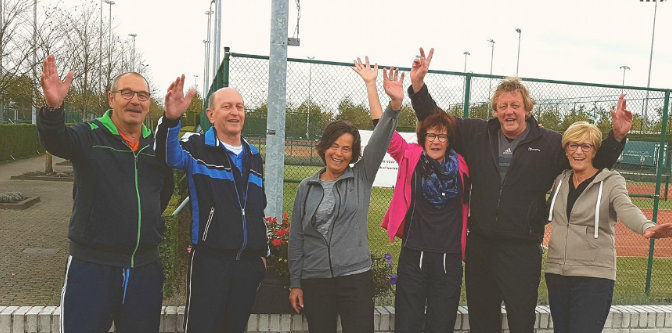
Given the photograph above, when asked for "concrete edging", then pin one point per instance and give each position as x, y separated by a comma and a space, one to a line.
629, 318
21, 205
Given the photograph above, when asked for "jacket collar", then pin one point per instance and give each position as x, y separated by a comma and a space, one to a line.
106, 121
603, 175
315, 179
212, 141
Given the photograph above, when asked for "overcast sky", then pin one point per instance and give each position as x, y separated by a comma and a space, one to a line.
574, 40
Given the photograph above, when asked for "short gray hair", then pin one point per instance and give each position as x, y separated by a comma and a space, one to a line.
115, 81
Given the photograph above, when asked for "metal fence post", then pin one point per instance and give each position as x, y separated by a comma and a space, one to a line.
467, 93
656, 199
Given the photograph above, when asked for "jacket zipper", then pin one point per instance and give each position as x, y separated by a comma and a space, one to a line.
241, 205
207, 224
137, 192
331, 233
564, 259
501, 185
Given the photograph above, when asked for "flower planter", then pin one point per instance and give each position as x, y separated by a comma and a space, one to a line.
273, 296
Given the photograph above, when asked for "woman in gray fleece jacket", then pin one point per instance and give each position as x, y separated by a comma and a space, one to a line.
329, 257
581, 263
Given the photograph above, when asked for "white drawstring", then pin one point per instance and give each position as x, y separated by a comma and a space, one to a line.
597, 210
421, 255
550, 214
444, 264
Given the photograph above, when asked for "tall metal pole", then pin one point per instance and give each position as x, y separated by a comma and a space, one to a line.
310, 100
277, 89
100, 50
205, 69
624, 68
466, 53
206, 77
133, 52
518, 61
464, 89
196, 82
109, 41
492, 57
33, 110
648, 81
2, 68
218, 37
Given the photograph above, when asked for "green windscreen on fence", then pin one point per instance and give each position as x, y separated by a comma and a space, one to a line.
319, 92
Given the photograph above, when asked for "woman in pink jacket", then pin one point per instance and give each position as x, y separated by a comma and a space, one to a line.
428, 212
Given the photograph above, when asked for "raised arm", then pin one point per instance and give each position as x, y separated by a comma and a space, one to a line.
168, 146
369, 76
612, 146
422, 102
55, 137
380, 138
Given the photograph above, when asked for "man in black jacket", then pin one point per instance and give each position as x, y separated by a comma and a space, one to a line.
113, 273
228, 232
512, 163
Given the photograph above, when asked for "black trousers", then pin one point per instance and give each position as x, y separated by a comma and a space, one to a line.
430, 278
351, 296
94, 296
498, 270
579, 304
220, 291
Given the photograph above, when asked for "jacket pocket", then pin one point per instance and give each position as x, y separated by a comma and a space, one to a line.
556, 245
207, 224
579, 247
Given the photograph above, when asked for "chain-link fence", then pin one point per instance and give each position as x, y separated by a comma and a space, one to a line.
320, 91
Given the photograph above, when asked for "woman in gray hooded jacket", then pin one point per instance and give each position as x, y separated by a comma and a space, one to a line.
329, 256
585, 205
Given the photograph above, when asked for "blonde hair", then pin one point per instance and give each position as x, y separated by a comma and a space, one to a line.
581, 131
510, 85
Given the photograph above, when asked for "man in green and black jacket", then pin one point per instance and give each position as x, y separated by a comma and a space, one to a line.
113, 272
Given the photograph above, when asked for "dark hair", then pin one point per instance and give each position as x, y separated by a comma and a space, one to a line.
334, 131
439, 119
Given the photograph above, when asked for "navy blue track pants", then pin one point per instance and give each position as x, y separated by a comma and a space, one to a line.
94, 296
220, 291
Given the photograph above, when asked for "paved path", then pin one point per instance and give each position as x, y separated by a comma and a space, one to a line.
25, 278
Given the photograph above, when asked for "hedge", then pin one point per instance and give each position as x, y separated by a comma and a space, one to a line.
173, 249
19, 140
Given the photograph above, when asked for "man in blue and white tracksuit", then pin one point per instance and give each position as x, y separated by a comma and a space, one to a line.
228, 232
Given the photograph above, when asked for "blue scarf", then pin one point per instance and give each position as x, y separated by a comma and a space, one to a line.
439, 180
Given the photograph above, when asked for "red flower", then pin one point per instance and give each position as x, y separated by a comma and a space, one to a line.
276, 242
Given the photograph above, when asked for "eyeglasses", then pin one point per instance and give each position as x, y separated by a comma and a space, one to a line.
442, 137
585, 147
128, 94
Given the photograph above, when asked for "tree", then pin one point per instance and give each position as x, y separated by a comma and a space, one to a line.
407, 120
357, 115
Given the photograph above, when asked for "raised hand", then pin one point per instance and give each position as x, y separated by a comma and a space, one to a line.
621, 120
53, 88
394, 87
176, 102
659, 231
364, 70
419, 69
